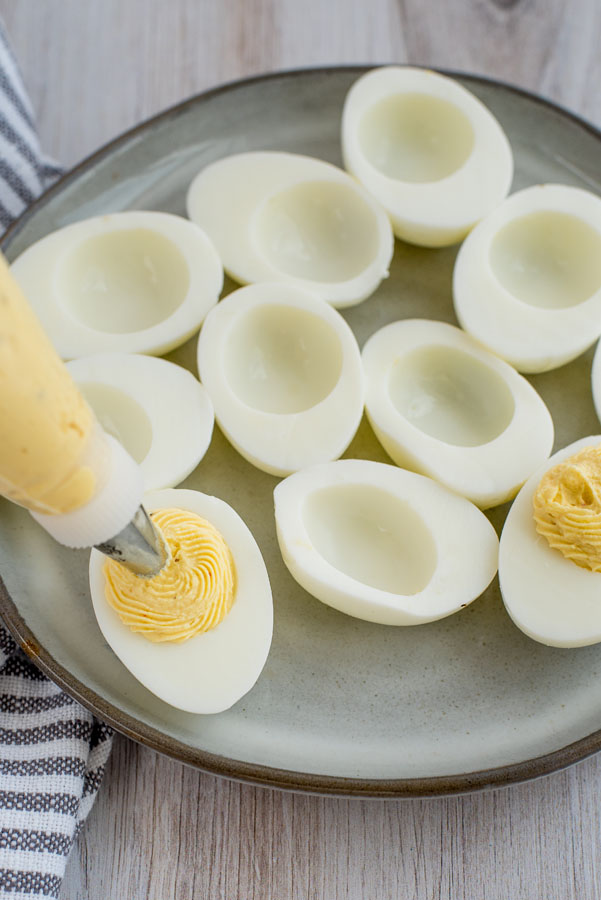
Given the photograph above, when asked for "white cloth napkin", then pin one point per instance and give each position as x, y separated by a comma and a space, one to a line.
52, 751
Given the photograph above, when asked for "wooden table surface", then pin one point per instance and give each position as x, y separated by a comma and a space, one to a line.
160, 830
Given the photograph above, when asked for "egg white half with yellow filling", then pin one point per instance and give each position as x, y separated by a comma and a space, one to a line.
549, 597
211, 671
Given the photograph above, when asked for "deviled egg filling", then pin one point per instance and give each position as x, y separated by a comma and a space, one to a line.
55, 460
47, 427
283, 371
567, 508
192, 593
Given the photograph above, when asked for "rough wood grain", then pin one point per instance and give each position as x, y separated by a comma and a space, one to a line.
160, 830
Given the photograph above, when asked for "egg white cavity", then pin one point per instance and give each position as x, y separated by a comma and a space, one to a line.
441, 405
138, 282
213, 670
527, 280
283, 370
383, 544
417, 138
427, 149
283, 217
119, 414
160, 412
547, 596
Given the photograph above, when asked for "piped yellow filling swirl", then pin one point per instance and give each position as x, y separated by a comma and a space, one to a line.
567, 508
193, 593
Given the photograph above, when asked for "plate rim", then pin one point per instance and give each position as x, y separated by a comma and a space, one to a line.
239, 770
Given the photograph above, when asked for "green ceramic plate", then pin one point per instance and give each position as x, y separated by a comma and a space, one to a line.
343, 706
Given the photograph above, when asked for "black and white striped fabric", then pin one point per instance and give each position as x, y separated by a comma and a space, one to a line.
52, 751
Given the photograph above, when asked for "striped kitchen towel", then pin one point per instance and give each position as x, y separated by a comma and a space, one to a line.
52, 751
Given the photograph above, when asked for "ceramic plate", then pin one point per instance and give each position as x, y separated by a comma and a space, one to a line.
343, 706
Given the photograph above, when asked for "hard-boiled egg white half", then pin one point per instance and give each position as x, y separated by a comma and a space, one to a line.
283, 370
283, 217
136, 282
527, 280
160, 412
549, 597
381, 543
440, 404
209, 672
425, 147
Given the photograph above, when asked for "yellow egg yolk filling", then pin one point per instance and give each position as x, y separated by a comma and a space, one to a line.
46, 426
567, 508
192, 593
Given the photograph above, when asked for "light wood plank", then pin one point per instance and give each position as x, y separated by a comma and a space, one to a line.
160, 830
168, 831
97, 68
